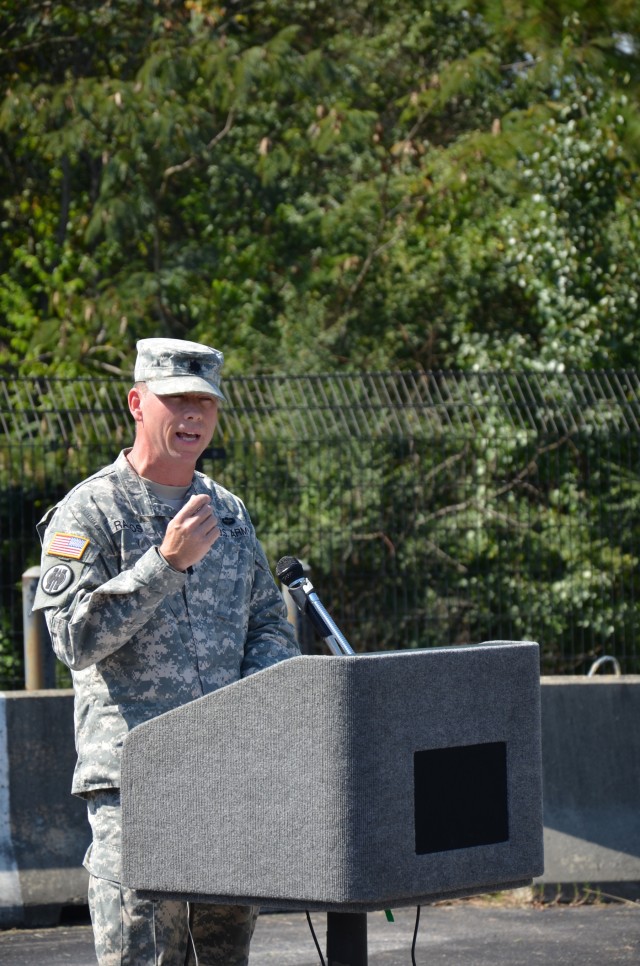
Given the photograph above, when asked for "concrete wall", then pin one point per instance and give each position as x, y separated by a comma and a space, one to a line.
591, 776
44, 831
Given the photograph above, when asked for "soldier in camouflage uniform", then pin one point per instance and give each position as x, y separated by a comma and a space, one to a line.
156, 591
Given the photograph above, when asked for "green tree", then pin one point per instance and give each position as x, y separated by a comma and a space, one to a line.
322, 187
319, 186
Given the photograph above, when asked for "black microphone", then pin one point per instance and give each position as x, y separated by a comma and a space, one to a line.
290, 572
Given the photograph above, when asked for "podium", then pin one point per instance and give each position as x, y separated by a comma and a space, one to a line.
343, 784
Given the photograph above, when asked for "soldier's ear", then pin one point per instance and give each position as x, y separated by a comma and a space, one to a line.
135, 403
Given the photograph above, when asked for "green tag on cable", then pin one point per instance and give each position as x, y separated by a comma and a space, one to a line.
389, 915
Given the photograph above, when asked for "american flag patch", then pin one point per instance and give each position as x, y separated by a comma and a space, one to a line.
68, 545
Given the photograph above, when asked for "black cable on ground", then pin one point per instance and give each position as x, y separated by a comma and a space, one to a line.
415, 936
314, 938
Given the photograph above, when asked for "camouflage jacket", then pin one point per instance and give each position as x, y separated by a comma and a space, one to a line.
139, 636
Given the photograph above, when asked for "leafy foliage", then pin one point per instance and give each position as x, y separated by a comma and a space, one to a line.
322, 187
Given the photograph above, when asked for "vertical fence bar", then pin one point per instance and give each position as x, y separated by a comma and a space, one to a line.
39, 659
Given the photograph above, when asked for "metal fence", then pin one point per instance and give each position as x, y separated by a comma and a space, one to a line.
433, 508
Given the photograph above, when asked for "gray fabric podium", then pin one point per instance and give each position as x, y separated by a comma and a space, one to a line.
343, 783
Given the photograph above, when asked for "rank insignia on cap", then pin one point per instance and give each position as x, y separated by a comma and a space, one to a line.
68, 545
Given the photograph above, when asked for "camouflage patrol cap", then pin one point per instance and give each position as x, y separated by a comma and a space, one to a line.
173, 366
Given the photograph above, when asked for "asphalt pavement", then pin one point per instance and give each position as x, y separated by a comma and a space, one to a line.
460, 934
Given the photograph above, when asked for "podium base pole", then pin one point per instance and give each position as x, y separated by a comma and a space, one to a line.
346, 939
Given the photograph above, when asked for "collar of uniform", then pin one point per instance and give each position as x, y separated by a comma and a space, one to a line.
142, 499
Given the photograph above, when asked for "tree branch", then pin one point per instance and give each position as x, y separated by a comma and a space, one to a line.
189, 162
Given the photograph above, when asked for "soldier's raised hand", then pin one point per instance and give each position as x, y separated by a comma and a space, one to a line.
191, 533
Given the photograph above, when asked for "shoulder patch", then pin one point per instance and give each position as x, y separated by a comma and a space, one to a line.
70, 545
57, 579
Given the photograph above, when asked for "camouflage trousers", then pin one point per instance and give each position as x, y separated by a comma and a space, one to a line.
133, 931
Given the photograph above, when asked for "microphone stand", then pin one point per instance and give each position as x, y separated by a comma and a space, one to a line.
346, 931
306, 599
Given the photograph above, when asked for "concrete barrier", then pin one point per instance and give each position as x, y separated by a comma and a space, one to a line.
44, 831
591, 783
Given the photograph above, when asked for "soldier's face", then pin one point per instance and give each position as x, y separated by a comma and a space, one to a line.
176, 427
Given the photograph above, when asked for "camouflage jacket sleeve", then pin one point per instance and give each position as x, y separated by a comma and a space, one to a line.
270, 636
92, 607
